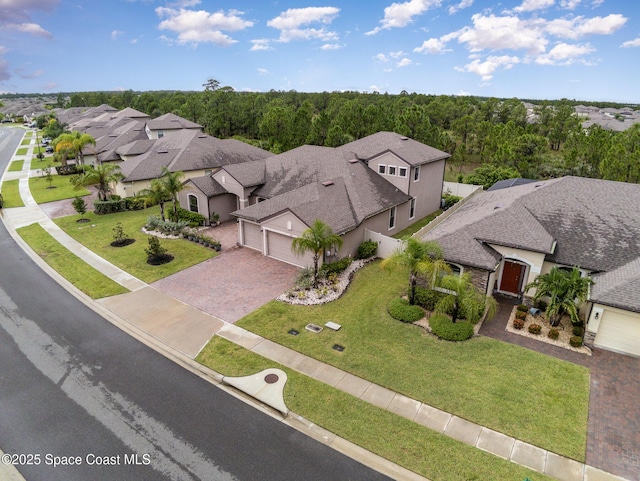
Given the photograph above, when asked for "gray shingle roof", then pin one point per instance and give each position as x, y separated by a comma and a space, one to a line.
409, 150
208, 185
619, 288
172, 122
503, 184
294, 181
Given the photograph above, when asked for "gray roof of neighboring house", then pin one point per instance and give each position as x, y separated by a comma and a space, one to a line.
248, 175
595, 224
207, 185
619, 287
172, 122
409, 150
295, 181
185, 151
503, 184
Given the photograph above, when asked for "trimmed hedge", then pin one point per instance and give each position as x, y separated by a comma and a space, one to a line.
575, 341
367, 249
335, 267
442, 327
427, 298
401, 310
193, 218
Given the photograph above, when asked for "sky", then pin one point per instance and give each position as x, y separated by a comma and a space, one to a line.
535, 49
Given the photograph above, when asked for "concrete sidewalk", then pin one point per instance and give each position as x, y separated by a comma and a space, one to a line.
181, 328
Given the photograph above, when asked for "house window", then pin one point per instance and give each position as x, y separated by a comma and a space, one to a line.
416, 174
382, 169
392, 170
412, 208
402, 171
160, 134
193, 203
392, 218
456, 270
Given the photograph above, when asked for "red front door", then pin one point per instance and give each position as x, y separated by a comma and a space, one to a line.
512, 277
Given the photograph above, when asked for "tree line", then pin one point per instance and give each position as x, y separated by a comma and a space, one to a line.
500, 135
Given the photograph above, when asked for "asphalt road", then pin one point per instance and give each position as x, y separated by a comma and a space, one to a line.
81, 400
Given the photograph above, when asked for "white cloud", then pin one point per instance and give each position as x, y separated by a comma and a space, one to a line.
631, 43
261, 44
397, 54
433, 45
462, 93
201, 26
460, 6
564, 54
262, 72
22, 73
381, 58
489, 66
30, 28
569, 4
374, 88
290, 22
115, 34
577, 27
398, 15
500, 33
405, 62
532, 5
331, 46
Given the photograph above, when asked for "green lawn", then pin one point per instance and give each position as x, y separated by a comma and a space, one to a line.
11, 194
44, 163
16, 166
26, 140
397, 439
98, 234
61, 189
416, 226
524, 394
75, 270
22, 151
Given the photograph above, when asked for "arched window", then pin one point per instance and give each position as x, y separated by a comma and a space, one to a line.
193, 203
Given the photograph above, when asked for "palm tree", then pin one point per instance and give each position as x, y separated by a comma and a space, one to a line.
316, 239
102, 175
462, 298
74, 142
421, 257
565, 289
156, 194
172, 182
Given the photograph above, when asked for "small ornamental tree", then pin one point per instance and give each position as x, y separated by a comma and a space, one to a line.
156, 254
80, 206
316, 239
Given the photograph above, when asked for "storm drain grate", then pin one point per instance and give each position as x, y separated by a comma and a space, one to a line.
338, 347
293, 332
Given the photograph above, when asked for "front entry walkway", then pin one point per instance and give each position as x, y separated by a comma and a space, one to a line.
232, 284
613, 434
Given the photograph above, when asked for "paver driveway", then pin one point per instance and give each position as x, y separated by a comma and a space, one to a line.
232, 284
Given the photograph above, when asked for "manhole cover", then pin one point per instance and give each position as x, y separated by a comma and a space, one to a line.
271, 378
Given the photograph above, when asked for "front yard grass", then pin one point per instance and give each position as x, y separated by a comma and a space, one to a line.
90, 281
397, 439
44, 163
521, 393
11, 194
62, 189
97, 234
16, 166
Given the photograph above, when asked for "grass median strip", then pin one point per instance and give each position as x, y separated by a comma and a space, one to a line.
11, 194
524, 394
399, 440
16, 166
90, 281
58, 189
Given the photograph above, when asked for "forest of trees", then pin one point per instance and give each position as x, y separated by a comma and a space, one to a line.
497, 134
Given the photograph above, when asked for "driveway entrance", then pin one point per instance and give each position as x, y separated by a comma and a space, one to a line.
232, 284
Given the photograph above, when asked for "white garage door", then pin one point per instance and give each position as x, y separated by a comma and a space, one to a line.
252, 237
279, 247
619, 332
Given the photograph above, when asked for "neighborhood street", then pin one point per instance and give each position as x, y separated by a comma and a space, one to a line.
80, 399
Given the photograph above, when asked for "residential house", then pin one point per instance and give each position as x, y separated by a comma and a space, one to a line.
383, 182
506, 237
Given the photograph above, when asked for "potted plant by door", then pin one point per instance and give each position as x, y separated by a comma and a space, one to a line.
214, 218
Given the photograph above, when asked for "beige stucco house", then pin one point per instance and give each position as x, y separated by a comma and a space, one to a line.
505, 238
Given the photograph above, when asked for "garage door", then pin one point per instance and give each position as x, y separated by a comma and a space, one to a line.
279, 247
252, 237
619, 332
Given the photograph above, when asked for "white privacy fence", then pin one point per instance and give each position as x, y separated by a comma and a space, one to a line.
386, 245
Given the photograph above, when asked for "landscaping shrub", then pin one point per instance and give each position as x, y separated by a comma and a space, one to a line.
192, 218
535, 328
522, 308
442, 327
518, 323
449, 200
575, 341
553, 334
156, 254
335, 267
401, 310
102, 207
542, 305
521, 315
165, 226
427, 298
134, 203
578, 331
367, 249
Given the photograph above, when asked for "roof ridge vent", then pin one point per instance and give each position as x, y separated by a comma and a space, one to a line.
327, 183
354, 161
163, 151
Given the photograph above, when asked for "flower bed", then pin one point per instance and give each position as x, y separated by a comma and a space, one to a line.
563, 335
